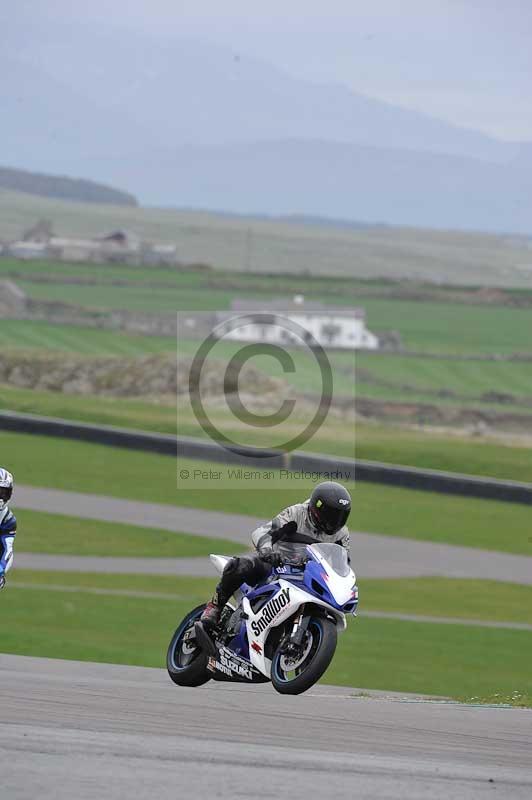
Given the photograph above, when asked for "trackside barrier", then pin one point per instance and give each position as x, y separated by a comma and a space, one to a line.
369, 471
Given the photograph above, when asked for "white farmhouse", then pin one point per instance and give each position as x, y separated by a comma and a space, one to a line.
330, 326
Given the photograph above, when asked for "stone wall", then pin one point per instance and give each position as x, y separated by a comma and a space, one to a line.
148, 376
14, 304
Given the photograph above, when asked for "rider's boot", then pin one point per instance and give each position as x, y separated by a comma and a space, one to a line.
211, 613
229, 583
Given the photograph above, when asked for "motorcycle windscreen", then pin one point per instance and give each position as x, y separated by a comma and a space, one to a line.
335, 555
292, 552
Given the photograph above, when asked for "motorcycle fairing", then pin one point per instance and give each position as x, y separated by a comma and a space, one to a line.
258, 631
226, 665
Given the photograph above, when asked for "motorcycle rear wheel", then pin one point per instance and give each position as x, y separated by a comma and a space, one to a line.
295, 675
186, 664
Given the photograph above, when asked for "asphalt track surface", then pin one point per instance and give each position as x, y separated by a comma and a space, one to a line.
85, 731
374, 555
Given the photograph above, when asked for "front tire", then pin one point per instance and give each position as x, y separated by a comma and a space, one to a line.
186, 663
292, 676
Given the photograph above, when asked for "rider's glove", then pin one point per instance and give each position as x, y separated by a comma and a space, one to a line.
2, 580
272, 558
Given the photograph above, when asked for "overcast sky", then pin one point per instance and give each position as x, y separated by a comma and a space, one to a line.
467, 61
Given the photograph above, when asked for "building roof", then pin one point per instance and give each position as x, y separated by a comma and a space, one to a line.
296, 305
121, 237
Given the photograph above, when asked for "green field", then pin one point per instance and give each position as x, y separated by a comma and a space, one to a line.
399, 378
263, 245
491, 601
424, 326
133, 298
63, 464
63, 535
105, 274
457, 453
468, 380
453, 327
443, 382
76, 339
449, 660
328, 288
427, 327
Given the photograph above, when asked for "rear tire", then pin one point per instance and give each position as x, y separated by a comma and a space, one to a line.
321, 648
186, 665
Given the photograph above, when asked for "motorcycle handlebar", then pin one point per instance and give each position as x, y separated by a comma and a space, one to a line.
296, 562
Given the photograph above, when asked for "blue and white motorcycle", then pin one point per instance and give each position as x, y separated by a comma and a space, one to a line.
284, 631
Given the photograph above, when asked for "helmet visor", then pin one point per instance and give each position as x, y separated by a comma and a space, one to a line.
332, 519
5, 493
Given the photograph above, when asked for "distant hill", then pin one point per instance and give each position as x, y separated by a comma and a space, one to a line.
190, 124
341, 181
63, 188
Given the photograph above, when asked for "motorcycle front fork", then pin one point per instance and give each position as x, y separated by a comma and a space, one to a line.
299, 627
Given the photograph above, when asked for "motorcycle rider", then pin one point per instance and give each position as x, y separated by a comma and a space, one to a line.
321, 518
8, 525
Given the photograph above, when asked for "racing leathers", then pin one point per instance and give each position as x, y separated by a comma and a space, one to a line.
281, 540
292, 545
8, 529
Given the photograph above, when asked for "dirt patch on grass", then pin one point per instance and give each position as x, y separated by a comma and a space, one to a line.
474, 420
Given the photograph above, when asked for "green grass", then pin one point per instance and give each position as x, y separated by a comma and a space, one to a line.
85, 341
133, 298
377, 442
448, 660
337, 289
413, 514
394, 378
64, 464
449, 597
108, 274
403, 379
470, 455
40, 532
492, 601
469, 380
424, 326
120, 411
453, 327
516, 698
306, 375
182, 587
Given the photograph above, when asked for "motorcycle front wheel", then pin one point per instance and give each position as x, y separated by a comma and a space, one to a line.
185, 661
295, 673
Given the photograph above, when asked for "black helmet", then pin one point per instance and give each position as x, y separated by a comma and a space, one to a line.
330, 506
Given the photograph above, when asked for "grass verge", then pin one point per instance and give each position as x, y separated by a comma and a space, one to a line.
516, 699
62, 535
439, 597
376, 442
450, 660
494, 601
76, 466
